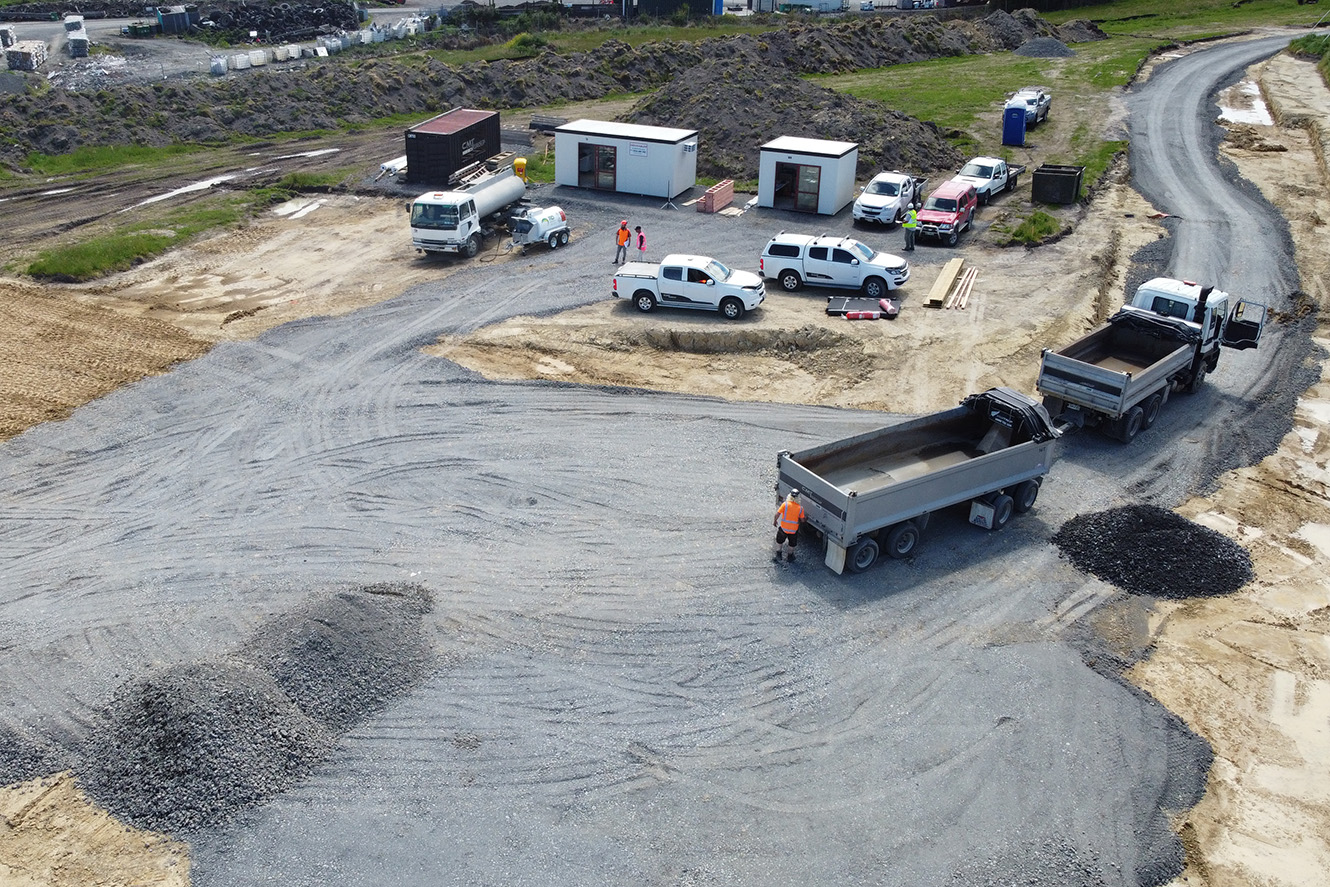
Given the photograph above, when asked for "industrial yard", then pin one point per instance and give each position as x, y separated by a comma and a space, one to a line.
487, 552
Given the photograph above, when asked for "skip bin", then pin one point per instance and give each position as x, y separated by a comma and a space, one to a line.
1013, 127
1057, 184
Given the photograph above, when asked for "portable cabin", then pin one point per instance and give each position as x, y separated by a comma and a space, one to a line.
630, 158
807, 175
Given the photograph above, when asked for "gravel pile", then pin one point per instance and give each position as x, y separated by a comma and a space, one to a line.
1052, 863
1145, 549
25, 755
190, 745
1044, 48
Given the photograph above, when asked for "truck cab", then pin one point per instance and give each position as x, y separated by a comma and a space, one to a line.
1216, 317
990, 176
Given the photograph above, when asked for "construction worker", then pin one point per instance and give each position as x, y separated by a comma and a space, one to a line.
911, 226
789, 517
621, 238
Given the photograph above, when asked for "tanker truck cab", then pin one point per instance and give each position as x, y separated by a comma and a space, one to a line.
458, 221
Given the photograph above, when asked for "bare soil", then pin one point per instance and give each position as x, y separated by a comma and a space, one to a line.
1247, 672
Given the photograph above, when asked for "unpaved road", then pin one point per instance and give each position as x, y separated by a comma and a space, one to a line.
632, 692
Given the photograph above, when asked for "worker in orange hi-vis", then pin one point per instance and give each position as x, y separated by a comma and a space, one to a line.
789, 517
621, 238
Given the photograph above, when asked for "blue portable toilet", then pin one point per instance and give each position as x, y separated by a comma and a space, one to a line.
1013, 127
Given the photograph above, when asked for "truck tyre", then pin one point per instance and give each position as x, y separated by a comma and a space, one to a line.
554, 240
875, 288
1130, 424
902, 539
731, 308
863, 555
1197, 380
953, 238
563, 238
984, 197
472, 246
1152, 408
789, 281
644, 300
1024, 495
1003, 508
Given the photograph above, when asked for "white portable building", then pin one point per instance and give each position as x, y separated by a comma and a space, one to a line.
808, 175
657, 161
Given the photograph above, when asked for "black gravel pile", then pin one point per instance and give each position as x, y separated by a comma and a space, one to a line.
25, 755
1051, 863
190, 745
1044, 48
1145, 549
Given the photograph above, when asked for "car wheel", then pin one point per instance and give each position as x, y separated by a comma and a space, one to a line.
1152, 408
1003, 508
554, 240
863, 555
472, 246
1024, 495
789, 281
902, 539
644, 300
731, 308
875, 288
984, 197
953, 238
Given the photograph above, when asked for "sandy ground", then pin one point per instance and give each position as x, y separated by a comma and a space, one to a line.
1246, 672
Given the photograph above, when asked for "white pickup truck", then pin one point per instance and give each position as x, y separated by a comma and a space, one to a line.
887, 196
841, 262
990, 176
683, 281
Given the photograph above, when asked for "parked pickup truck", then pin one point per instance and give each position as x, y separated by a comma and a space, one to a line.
875, 492
842, 262
1167, 339
887, 196
948, 211
990, 176
682, 281
1035, 100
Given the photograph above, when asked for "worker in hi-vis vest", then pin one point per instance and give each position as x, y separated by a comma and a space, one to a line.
621, 238
789, 516
910, 226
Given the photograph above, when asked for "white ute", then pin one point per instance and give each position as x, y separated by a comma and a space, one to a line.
682, 281
990, 176
886, 197
841, 262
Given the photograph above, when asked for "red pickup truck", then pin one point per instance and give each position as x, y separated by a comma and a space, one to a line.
948, 211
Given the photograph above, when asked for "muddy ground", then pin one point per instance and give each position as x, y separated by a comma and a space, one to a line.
1247, 672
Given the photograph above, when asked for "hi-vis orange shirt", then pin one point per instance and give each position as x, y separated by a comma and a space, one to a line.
789, 514
623, 236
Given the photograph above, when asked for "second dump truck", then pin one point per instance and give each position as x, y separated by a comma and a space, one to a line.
875, 492
1167, 339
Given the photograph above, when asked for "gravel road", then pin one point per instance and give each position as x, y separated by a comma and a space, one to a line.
630, 691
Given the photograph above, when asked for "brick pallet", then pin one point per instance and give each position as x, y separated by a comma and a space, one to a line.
717, 197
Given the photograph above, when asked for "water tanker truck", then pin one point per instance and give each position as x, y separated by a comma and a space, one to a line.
458, 221
872, 493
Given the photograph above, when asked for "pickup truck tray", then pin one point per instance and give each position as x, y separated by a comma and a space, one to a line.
839, 306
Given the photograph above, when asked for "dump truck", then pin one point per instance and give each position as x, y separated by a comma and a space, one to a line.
1167, 339
874, 492
459, 220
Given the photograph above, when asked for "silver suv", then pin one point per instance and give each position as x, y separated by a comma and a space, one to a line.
843, 262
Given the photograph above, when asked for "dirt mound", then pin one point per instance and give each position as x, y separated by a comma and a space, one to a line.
190, 745
1145, 549
1044, 48
739, 105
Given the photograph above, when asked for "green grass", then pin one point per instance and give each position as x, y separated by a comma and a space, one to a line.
1314, 46
91, 160
1036, 227
1192, 20
590, 40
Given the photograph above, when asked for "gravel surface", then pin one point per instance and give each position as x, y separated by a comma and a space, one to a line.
1145, 549
1044, 48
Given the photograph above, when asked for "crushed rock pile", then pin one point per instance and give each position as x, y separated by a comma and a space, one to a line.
1145, 549
1044, 48
738, 107
190, 745
330, 94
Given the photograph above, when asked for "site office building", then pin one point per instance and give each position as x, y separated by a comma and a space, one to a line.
656, 161
807, 175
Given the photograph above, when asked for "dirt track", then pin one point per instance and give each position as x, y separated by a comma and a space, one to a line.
759, 687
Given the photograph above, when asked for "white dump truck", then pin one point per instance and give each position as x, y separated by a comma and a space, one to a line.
458, 221
875, 492
548, 224
1118, 377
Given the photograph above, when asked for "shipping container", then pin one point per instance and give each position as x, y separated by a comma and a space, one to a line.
444, 144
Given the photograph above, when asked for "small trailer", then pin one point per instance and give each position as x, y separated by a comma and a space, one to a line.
548, 224
875, 492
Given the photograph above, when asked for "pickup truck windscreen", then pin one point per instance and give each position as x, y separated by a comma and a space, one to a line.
941, 204
717, 270
978, 171
888, 189
433, 215
861, 251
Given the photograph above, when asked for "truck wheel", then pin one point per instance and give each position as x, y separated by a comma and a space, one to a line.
789, 281
984, 197
472, 246
563, 238
1130, 425
1152, 408
902, 539
875, 288
731, 308
863, 555
1003, 508
1197, 380
953, 237
1024, 495
553, 240
644, 300
1212, 361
